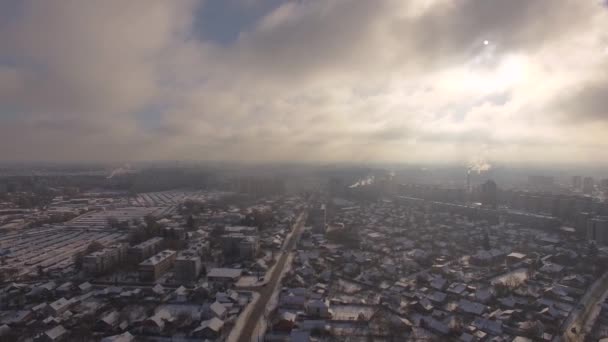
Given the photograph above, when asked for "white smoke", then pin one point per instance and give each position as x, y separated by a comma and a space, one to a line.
363, 182
479, 164
121, 170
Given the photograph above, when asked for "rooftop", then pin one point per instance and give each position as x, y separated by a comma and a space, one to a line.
224, 273
159, 257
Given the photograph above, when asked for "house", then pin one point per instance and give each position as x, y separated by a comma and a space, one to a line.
124, 337
469, 307
44, 290
549, 314
181, 294
51, 321
156, 324
113, 291
292, 300
434, 325
286, 321
64, 288
515, 258
40, 308
437, 297
401, 324
466, 337
299, 336
423, 305
318, 308
60, 306
513, 301
439, 283
503, 315
551, 268
522, 339
227, 297
457, 288
85, 287
488, 326
158, 290
58, 333
484, 295
14, 295
108, 322
218, 310
5, 330
15, 318
211, 329
575, 280
533, 328
224, 276
484, 257
418, 254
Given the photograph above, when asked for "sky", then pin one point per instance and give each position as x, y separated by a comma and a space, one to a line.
305, 80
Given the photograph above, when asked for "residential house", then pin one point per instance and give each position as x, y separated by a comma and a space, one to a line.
318, 308
285, 322
217, 310
155, 324
124, 337
224, 276
60, 306
55, 334
211, 329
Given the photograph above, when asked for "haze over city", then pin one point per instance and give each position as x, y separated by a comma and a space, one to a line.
356, 81
303, 170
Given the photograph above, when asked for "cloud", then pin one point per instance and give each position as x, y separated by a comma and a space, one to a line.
588, 102
356, 80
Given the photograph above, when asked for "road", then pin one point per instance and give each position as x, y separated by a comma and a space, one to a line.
266, 292
579, 319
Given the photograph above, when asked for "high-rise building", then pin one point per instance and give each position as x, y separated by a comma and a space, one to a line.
144, 250
581, 222
588, 184
239, 245
103, 260
187, 266
539, 182
597, 230
152, 268
318, 217
489, 194
577, 182
604, 184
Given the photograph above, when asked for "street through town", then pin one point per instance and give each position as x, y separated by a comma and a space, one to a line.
266, 291
578, 325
